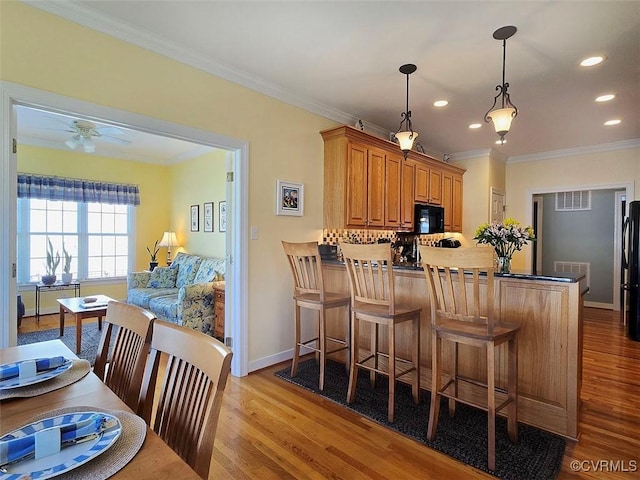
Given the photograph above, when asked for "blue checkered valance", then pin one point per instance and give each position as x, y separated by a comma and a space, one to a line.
76, 190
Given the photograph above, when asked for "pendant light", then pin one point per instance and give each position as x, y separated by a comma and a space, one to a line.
507, 111
407, 136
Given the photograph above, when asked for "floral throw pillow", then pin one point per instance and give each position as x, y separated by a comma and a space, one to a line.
162, 277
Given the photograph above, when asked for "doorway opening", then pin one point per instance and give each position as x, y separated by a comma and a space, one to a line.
236, 198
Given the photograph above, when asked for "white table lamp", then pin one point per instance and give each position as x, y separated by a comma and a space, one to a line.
169, 240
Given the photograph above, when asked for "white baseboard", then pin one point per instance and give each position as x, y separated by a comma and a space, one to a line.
605, 306
265, 362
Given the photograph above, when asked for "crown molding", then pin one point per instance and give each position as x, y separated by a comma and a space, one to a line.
572, 152
78, 13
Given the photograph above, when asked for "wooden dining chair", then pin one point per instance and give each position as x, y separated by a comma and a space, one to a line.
373, 300
463, 312
182, 405
120, 361
309, 292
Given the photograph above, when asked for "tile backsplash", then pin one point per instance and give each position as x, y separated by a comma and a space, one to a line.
336, 236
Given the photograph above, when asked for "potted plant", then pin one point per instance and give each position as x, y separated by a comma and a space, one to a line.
67, 276
153, 262
52, 265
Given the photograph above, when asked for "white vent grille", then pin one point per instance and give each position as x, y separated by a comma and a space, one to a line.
572, 201
574, 267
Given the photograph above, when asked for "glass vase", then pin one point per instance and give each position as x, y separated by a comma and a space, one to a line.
504, 265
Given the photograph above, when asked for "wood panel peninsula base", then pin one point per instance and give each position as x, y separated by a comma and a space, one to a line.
549, 311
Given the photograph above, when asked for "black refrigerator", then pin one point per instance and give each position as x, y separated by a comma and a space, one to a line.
631, 264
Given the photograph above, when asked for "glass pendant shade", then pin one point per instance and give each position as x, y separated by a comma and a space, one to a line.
502, 118
73, 142
406, 139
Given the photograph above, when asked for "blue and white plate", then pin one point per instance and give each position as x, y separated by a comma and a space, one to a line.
16, 382
66, 459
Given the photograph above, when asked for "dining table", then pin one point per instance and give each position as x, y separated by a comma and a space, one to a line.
154, 460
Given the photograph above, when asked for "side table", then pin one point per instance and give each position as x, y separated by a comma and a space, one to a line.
40, 287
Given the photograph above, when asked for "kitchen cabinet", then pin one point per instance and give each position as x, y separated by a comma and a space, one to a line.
369, 184
407, 201
393, 200
452, 201
365, 186
428, 184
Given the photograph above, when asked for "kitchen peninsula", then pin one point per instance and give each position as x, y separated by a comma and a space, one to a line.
549, 310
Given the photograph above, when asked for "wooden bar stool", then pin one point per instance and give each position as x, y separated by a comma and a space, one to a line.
461, 313
309, 292
370, 272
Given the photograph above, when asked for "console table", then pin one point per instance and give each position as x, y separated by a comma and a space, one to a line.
40, 287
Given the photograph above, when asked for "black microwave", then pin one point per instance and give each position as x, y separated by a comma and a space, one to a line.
428, 219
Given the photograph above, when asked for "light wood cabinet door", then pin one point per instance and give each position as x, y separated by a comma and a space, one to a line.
452, 202
393, 176
375, 187
435, 186
457, 204
447, 200
356, 197
407, 201
422, 183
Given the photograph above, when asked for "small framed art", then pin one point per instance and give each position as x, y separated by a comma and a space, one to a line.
195, 218
222, 216
289, 198
208, 217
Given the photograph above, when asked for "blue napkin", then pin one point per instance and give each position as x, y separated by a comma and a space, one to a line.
13, 449
12, 370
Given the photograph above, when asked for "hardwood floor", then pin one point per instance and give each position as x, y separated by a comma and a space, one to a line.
270, 429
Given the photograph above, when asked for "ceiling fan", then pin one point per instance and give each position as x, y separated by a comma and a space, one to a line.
85, 131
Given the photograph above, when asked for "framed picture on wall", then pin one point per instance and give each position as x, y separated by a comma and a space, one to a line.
289, 198
222, 216
208, 217
195, 218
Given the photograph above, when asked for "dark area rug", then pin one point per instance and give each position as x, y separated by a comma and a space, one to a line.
537, 455
90, 339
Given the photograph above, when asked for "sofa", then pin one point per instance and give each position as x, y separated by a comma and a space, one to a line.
182, 293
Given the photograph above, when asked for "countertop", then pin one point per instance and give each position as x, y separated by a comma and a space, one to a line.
566, 277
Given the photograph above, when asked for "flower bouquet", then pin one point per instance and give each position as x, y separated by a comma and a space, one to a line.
505, 238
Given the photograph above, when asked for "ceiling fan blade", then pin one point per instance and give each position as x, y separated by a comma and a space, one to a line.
121, 141
109, 130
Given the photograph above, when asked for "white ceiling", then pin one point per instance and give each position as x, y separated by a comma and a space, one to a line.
341, 59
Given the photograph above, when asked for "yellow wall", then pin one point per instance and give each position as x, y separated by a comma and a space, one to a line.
195, 182
284, 142
591, 169
152, 213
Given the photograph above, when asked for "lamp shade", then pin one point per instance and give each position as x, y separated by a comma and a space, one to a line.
406, 139
502, 118
169, 240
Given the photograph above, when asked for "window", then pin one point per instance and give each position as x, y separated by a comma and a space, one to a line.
97, 235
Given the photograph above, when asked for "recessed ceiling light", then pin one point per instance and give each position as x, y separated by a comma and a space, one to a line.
501, 142
612, 122
605, 98
440, 103
591, 61
475, 125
